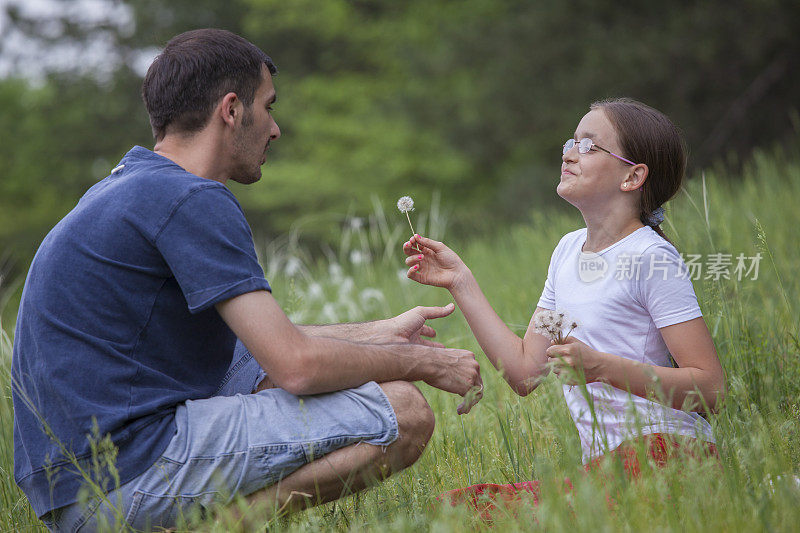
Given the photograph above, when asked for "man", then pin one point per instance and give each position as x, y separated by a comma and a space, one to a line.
129, 322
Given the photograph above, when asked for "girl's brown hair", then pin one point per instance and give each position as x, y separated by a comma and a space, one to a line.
648, 136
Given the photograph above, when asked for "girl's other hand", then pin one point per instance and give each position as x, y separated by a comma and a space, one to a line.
436, 265
574, 359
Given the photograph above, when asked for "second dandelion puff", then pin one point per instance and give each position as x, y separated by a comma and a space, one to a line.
551, 324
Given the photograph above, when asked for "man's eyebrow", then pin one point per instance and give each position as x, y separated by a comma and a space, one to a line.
590, 135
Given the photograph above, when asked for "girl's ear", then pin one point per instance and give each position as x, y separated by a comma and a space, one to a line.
636, 177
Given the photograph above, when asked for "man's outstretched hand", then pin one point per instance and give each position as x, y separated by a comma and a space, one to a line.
411, 326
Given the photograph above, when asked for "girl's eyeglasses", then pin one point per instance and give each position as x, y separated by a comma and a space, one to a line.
585, 145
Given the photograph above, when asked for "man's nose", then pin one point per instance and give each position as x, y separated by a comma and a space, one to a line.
570, 155
275, 131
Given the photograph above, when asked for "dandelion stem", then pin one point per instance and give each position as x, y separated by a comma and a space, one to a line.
412, 231
410, 225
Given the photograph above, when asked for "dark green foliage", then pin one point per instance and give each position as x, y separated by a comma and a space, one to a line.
55, 142
471, 97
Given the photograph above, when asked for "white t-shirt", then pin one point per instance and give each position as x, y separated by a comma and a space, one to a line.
620, 297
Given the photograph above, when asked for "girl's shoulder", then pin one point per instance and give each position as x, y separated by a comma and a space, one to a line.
648, 243
567, 246
573, 239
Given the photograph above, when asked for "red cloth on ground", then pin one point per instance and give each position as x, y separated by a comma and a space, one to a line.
484, 496
661, 448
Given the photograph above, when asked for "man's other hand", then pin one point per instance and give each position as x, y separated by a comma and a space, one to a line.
411, 326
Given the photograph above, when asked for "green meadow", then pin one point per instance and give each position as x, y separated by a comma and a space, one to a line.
506, 438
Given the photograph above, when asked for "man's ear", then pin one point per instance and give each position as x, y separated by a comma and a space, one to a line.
230, 109
636, 177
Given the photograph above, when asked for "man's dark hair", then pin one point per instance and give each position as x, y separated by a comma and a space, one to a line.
196, 69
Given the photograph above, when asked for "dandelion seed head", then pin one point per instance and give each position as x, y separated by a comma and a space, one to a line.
329, 314
293, 266
315, 291
551, 324
405, 204
335, 272
358, 257
544, 324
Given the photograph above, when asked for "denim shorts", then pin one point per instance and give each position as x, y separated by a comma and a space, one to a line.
235, 443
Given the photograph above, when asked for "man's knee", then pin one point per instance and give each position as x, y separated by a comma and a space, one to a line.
415, 418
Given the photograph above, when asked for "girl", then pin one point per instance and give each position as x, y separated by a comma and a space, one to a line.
622, 281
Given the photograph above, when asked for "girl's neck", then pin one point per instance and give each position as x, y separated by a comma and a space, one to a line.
603, 230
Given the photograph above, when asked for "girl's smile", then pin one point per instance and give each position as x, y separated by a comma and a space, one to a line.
566, 172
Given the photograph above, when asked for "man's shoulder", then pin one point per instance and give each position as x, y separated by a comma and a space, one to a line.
147, 185
141, 168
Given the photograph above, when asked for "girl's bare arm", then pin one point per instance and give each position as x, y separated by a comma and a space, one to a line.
522, 362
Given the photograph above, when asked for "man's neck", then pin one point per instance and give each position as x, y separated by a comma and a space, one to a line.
197, 154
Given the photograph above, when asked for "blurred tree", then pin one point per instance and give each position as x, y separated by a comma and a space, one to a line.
508, 80
55, 142
472, 97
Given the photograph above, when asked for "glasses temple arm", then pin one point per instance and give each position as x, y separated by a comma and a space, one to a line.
609, 152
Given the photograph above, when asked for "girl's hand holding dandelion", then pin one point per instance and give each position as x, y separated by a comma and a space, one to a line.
442, 265
574, 359
570, 359
433, 263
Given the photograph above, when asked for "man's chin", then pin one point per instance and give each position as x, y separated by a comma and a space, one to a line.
249, 178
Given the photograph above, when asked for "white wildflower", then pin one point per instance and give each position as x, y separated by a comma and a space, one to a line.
315, 291
356, 223
357, 257
293, 266
329, 314
551, 324
405, 204
335, 272
346, 287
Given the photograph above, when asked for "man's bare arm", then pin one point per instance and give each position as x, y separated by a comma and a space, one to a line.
302, 364
365, 332
406, 327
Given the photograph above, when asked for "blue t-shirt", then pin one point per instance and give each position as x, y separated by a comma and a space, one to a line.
117, 323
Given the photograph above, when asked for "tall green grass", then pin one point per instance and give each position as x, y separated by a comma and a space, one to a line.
15, 513
507, 438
